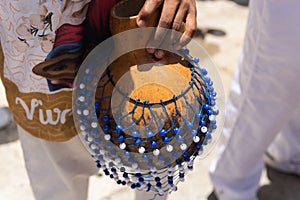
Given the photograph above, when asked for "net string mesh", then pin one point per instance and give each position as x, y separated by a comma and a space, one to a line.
146, 142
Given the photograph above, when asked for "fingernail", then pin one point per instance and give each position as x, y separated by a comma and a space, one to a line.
141, 23
159, 54
150, 50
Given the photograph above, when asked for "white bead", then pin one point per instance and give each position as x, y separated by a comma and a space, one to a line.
86, 112
93, 146
79, 112
84, 133
183, 146
134, 165
89, 138
102, 163
156, 152
81, 86
203, 129
196, 139
107, 137
102, 151
81, 98
87, 71
153, 169
212, 117
117, 160
214, 108
169, 148
122, 146
94, 124
142, 150
82, 127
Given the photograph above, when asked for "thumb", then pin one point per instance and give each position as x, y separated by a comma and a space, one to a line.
148, 9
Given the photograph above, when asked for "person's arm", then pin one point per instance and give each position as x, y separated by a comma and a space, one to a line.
174, 13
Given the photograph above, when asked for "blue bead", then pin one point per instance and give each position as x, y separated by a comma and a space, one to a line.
213, 121
208, 135
122, 169
138, 185
165, 139
118, 128
141, 179
138, 174
185, 154
176, 130
113, 169
203, 71
98, 165
214, 126
199, 146
105, 118
212, 102
125, 175
186, 51
135, 134
137, 141
199, 115
207, 79
194, 132
113, 152
209, 112
153, 144
170, 182
145, 157
206, 106
214, 93
190, 167
106, 127
150, 134
161, 158
133, 185
120, 138
106, 172
179, 137
210, 83
162, 132
111, 176
97, 105
157, 179
178, 162
189, 125
196, 60
158, 184
216, 112
201, 122
123, 182
181, 175
119, 182
127, 153
187, 159
175, 155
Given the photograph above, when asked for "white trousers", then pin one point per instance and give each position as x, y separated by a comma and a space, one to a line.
263, 110
61, 170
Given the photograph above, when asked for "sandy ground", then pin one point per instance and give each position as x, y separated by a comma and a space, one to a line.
222, 16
